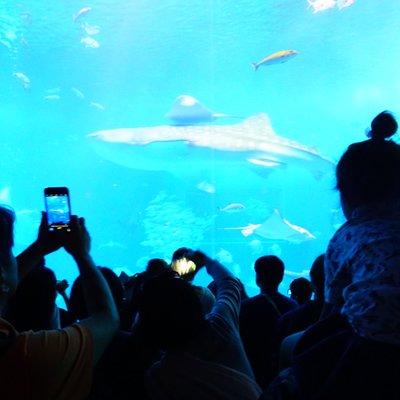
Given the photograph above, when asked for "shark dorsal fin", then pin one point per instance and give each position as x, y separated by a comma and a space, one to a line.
259, 124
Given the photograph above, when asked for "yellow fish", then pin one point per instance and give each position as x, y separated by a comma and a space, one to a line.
275, 58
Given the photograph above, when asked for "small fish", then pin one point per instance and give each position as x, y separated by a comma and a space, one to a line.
232, 208
224, 256
98, 106
345, 3
24, 41
321, 5
206, 187
90, 42
52, 97
26, 83
81, 12
256, 246
275, 58
90, 29
78, 93
53, 90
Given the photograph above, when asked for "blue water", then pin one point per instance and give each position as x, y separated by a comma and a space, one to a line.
149, 53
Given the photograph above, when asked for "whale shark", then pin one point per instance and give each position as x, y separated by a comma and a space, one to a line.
205, 149
186, 110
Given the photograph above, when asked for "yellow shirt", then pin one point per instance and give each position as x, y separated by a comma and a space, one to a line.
54, 364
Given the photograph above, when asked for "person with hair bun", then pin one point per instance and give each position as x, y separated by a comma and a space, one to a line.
362, 264
354, 350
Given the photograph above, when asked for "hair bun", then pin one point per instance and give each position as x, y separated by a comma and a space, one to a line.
383, 126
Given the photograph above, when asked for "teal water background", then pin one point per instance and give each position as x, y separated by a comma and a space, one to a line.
149, 53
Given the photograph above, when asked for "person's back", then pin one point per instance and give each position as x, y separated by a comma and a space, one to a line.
259, 315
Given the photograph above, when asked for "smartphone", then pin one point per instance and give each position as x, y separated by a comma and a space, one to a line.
183, 266
58, 208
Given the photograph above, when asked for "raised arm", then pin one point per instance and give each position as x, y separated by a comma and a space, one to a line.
103, 320
47, 242
228, 297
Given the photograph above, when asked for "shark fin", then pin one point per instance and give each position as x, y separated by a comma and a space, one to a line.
265, 162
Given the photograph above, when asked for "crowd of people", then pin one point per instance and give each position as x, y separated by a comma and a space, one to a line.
159, 336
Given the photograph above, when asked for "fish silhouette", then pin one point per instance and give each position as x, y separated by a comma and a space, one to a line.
207, 148
186, 110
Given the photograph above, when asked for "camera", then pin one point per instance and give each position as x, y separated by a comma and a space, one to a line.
58, 208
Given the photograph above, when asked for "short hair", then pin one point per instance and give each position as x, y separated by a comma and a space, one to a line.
156, 266
7, 219
301, 289
269, 270
171, 313
368, 171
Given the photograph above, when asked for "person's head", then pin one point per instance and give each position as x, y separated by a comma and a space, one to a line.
300, 290
156, 266
269, 272
367, 173
8, 265
171, 313
33, 306
77, 296
317, 276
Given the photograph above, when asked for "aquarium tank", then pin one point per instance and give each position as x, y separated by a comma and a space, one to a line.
209, 124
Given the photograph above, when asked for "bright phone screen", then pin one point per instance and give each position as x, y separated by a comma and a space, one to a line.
58, 210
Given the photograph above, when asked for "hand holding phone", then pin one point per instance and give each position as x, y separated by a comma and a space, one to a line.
183, 266
58, 208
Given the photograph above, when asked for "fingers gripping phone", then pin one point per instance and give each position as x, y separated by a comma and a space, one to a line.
58, 208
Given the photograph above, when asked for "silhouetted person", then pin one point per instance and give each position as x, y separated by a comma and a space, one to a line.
154, 267
33, 305
52, 364
308, 313
259, 315
354, 351
77, 301
291, 325
181, 265
300, 290
203, 354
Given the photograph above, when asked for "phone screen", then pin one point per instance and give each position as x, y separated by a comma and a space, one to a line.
58, 208
183, 266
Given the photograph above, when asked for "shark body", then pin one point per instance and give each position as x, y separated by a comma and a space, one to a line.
194, 148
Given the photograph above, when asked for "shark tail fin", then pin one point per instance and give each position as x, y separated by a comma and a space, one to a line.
255, 66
